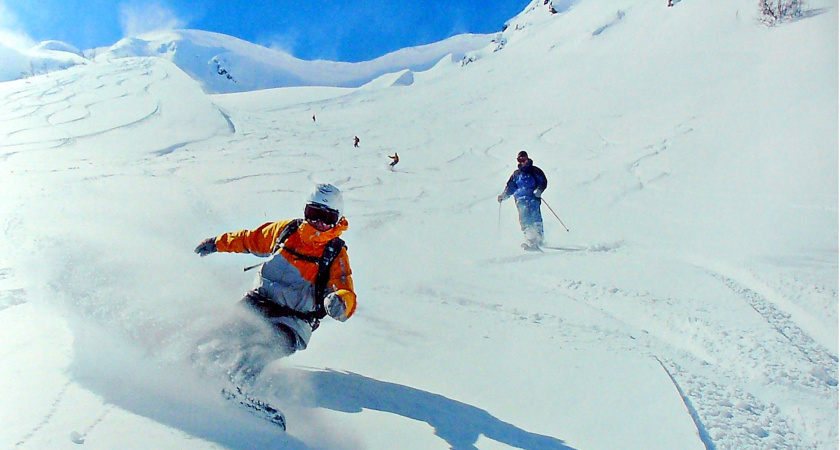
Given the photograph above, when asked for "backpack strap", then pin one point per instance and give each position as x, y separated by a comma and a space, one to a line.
287, 231
290, 228
331, 251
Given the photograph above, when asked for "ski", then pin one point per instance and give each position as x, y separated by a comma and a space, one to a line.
255, 406
532, 248
542, 248
565, 249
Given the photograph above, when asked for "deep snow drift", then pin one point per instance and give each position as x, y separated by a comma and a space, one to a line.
692, 304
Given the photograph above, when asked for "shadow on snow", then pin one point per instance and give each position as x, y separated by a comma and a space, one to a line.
457, 423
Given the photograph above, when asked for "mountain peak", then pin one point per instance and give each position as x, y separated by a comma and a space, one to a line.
224, 64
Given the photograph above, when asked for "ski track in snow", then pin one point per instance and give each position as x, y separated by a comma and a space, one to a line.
47, 417
736, 382
79, 437
701, 429
727, 415
824, 364
724, 387
731, 416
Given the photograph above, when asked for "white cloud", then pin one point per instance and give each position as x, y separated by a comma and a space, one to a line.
285, 42
15, 39
138, 18
11, 32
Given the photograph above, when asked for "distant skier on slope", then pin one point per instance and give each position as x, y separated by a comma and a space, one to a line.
308, 274
394, 160
526, 185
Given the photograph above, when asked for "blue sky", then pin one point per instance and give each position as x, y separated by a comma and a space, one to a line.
352, 30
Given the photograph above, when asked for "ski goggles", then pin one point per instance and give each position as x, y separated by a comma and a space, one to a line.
319, 213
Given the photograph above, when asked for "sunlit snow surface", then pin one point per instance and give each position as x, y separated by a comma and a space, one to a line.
692, 303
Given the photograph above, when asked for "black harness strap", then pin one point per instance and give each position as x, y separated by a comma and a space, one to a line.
331, 251
288, 231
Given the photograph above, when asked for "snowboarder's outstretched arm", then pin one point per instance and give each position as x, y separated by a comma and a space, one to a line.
259, 241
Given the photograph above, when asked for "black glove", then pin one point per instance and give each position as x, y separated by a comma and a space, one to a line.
206, 247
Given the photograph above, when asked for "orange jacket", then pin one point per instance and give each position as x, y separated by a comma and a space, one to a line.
305, 241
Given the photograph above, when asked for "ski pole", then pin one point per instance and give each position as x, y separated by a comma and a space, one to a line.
499, 223
555, 214
252, 267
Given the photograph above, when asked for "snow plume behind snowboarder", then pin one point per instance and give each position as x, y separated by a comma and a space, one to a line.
526, 185
306, 277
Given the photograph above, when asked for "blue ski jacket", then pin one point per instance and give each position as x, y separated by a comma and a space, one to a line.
523, 183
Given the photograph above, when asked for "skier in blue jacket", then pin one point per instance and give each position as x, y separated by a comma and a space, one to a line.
526, 185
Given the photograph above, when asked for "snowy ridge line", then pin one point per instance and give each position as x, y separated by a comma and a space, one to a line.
47, 417
781, 321
702, 432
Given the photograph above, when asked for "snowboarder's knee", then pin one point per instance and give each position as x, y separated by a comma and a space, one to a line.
288, 338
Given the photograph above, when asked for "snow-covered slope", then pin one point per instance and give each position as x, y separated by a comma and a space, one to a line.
692, 303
